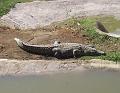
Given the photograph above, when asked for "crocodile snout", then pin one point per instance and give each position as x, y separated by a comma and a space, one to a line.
101, 52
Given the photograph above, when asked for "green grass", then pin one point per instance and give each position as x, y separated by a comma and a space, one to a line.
87, 27
90, 31
112, 56
6, 5
110, 23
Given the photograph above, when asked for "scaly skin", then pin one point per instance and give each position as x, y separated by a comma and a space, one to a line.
60, 50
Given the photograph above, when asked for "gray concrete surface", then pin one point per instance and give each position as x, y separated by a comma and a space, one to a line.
40, 13
32, 67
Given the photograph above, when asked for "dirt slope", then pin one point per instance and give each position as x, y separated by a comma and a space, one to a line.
9, 48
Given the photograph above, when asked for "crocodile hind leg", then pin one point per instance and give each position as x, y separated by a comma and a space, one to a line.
77, 53
58, 55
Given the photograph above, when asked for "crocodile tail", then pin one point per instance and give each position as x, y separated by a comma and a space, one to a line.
34, 49
19, 42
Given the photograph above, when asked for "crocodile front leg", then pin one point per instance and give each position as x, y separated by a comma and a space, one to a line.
77, 53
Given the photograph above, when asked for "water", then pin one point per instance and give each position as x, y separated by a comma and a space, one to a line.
78, 82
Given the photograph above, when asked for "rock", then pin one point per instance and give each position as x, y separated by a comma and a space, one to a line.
34, 14
101, 27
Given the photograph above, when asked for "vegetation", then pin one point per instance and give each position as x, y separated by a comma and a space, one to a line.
5, 5
87, 27
110, 22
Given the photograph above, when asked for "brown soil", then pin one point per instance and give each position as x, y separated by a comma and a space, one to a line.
9, 48
45, 35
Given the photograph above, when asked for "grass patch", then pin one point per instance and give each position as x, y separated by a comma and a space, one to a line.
87, 27
6, 5
112, 56
98, 39
109, 22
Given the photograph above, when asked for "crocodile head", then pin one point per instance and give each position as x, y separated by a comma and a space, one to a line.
93, 52
76, 51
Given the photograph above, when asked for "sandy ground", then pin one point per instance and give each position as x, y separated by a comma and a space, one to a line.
41, 13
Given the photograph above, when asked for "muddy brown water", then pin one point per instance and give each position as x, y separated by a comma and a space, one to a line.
77, 82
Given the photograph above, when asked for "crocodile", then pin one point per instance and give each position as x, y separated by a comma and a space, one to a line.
60, 50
